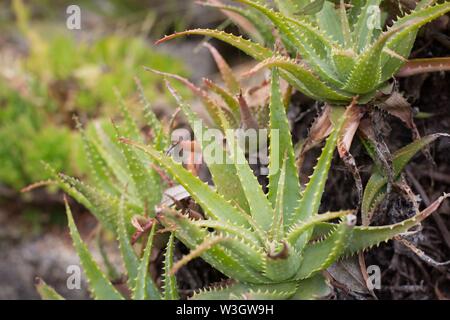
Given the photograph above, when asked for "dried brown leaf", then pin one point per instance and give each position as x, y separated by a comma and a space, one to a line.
397, 106
247, 119
320, 129
348, 273
420, 66
353, 118
225, 70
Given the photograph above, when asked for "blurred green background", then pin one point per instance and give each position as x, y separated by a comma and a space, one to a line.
48, 74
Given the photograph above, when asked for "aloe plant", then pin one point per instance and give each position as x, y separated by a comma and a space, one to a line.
123, 191
140, 285
335, 54
274, 245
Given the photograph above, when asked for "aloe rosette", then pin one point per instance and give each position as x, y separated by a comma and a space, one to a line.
274, 245
123, 187
335, 54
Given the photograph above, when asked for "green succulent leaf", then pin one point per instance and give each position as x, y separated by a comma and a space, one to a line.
402, 42
315, 287
345, 25
281, 154
287, 7
145, 180
321, 255
312, 8
46, 292
308, 40
366, 73
305, 76
100, 286
298, 229
160, 141
337, 61
127, 252
363, 32
131, 128
66, 187
282, 262
224, 174
316, 45
130, 258
260, 209
214, 204
364, 238
227, 262
140, 291
104, 207
221, 227
111, 154
344, 62
98, 168
277, 224
170, 281
354, 11
239, 291
253, 49
329, 21
312, 195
